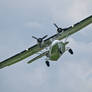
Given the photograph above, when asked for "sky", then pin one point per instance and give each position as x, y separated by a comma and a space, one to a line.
22, 19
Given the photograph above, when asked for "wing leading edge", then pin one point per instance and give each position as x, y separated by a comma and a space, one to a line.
34, 49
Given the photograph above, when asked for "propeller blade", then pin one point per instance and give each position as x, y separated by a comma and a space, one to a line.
40, 40
55, 25
44, 36
35, 37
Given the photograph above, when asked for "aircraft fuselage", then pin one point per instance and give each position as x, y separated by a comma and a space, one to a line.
56, 50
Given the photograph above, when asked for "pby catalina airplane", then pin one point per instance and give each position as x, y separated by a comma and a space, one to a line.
53, 45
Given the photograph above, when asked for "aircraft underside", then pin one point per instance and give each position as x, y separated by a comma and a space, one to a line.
57, 48
56, 51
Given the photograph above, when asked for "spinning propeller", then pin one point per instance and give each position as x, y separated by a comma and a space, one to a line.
58, 28
40, 40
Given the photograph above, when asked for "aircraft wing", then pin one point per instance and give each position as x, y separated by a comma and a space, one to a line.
34, 49
38, 57
76, 27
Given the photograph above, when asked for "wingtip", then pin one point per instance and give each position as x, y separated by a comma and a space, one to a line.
2, 65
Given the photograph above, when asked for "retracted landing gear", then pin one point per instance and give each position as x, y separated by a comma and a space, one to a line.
70, 51
47, 63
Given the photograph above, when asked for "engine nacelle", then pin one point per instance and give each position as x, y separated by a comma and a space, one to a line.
59, 30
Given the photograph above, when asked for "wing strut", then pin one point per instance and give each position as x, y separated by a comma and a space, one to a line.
38, 57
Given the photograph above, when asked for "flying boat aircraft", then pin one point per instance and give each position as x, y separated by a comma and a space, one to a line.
53, 47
